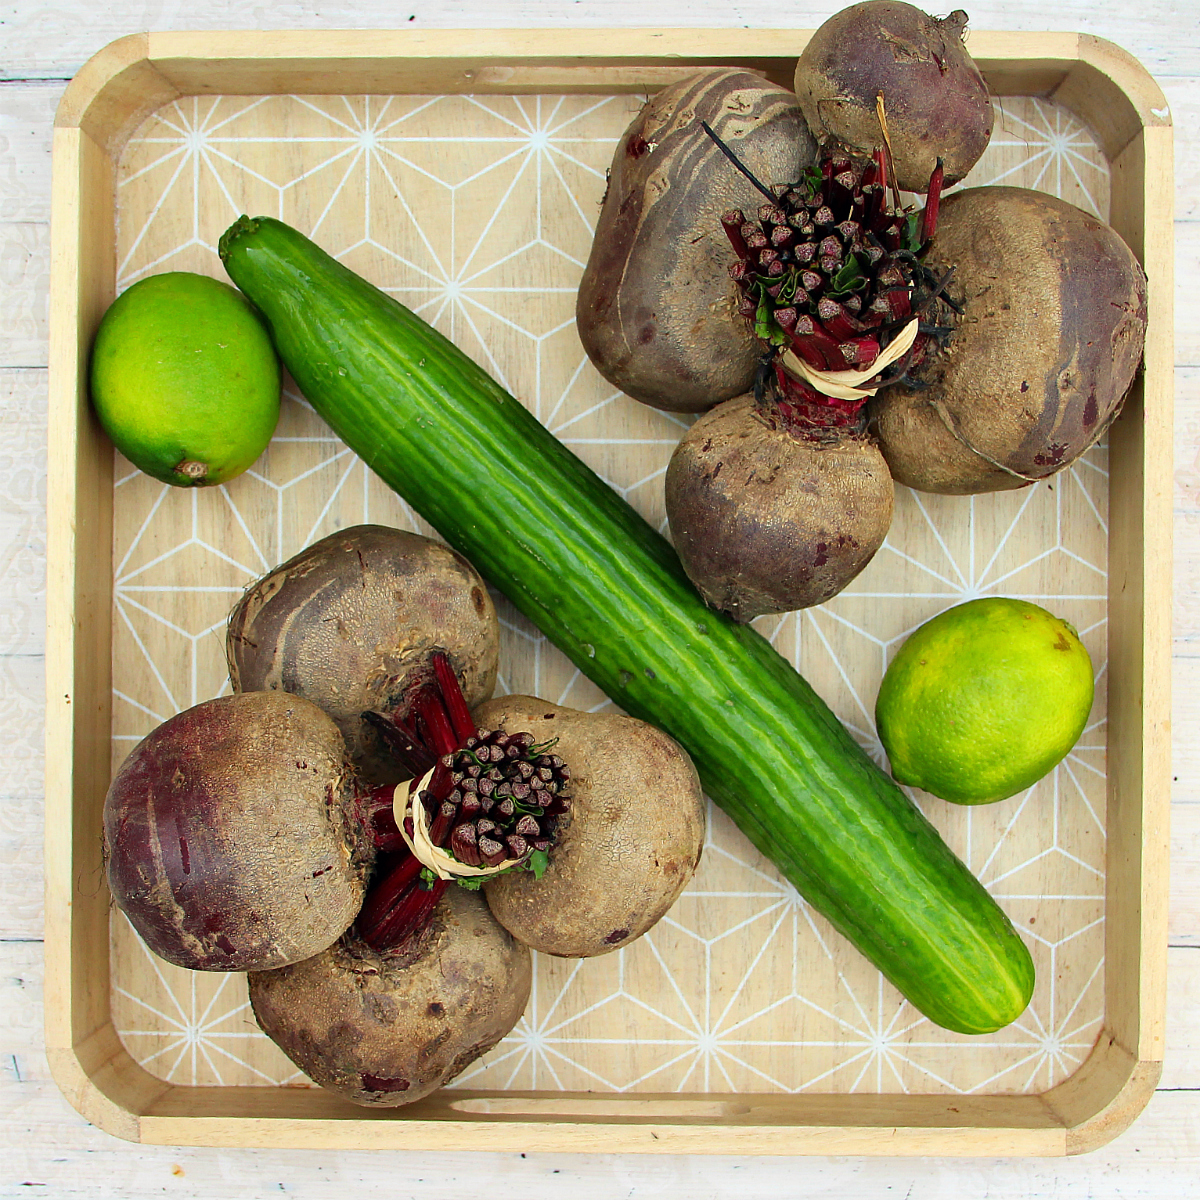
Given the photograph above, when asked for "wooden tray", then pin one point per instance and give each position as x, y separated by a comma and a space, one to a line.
463, 172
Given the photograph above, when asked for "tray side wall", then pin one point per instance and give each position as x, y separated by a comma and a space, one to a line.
78, 652
1123, 104
1143, 547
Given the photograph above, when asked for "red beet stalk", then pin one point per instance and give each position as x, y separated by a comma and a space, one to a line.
732, 223
932, 201
399, 906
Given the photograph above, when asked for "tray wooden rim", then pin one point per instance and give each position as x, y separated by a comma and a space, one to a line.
101, 107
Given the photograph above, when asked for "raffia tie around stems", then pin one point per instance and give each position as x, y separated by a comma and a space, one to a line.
410, 812
847, 385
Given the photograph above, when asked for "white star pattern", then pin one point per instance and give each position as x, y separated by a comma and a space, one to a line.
477, 212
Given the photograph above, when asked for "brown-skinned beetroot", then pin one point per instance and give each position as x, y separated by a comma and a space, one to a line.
766, 520
384, 1029
628, 844
657, 311
346, 621
935, 99
230, 837
1040, 362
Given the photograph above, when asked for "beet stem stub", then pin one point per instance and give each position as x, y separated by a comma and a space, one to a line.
492, 852
732, 223
932, 201
860, 352
385, 896
435, 721
395, 924
453, 698
439, 830
464, 845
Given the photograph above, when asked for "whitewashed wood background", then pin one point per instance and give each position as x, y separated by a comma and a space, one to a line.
45, 1147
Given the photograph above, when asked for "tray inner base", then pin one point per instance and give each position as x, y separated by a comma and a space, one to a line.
477, 212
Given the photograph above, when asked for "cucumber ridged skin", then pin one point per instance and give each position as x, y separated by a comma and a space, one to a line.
609, 591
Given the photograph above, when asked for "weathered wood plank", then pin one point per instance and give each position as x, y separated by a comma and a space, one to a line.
1187, 287
1184, 919
26, 118
22, 646
1157, 32
1185, 752
1183, 95
1181, 1067
22, 511
1187, 447
1186, 614
24, 293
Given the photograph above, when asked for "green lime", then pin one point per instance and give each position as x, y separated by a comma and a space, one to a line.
185, 380
983, 700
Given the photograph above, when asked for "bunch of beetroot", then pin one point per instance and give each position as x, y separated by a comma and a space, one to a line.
331, 832
979, 341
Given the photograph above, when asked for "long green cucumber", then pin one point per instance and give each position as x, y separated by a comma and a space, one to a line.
609, 591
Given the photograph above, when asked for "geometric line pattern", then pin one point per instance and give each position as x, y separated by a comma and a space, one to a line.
477, 212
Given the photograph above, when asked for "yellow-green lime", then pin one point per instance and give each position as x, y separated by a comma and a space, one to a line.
185, 380
984, 699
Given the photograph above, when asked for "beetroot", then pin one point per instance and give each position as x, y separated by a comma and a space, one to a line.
230, 835
628, 845
348, 620
386, 1029
1041, 357
935, 101
770, 515
656, 312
